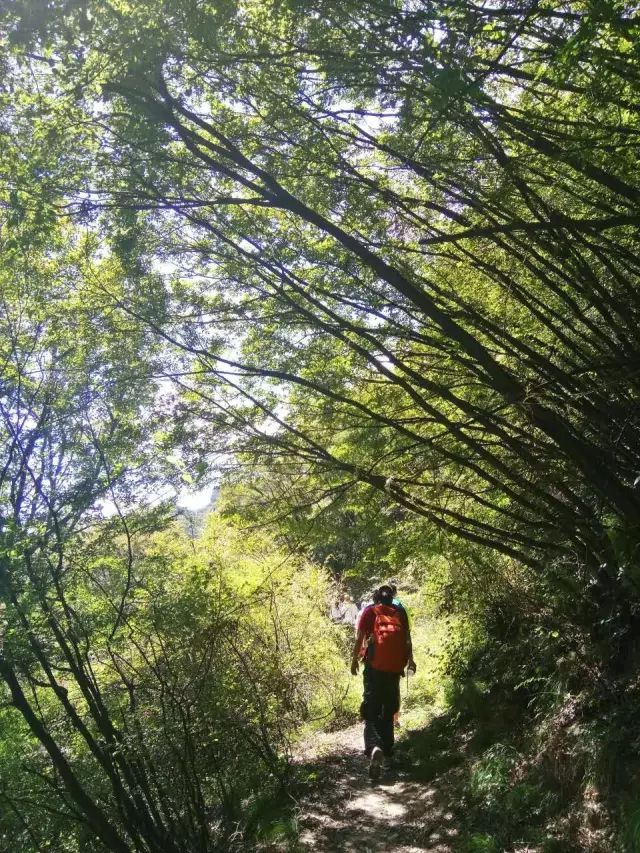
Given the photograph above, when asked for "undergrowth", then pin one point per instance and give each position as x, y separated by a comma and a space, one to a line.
535, 739
548, 744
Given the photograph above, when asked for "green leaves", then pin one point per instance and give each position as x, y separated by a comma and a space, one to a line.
293, 183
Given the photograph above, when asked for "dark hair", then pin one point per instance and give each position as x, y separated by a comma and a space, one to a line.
385, 593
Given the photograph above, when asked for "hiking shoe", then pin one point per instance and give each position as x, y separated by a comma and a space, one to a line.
375, 763
388, 763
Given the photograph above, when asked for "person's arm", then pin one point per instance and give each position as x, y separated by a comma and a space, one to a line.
355, 657
365, 627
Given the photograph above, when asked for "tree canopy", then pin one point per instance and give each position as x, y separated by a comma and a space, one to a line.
367, 260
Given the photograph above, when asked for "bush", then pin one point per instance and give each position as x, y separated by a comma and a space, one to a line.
222, 654
480, 843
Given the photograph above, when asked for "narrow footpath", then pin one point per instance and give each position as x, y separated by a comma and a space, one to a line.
410, 810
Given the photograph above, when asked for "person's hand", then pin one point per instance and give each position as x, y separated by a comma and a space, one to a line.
411, 667
354, 667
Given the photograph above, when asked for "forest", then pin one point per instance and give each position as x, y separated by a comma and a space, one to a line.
369, 274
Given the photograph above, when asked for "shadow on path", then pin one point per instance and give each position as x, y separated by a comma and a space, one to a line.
413, 809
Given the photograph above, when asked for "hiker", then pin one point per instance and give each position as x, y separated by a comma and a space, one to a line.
383, 630
369, 600
394, 589
350, 615
396, 601
337, 610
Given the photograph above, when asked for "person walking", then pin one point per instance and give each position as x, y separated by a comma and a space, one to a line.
383, 632
394, 588
350, 616
338, 608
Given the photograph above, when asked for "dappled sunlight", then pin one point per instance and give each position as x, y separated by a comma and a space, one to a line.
347, 811
302, 301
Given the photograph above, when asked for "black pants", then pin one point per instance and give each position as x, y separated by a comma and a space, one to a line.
381, 700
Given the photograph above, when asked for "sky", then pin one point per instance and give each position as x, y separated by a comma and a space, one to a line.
195, 499
192, 500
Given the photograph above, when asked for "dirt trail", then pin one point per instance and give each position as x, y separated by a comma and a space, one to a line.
345, 811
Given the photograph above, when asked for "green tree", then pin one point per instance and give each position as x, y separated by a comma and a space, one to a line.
398, 245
